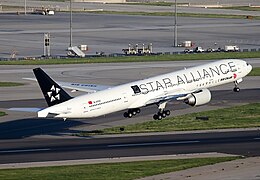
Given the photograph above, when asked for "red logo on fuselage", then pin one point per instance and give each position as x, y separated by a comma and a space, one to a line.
90, 102
235, 76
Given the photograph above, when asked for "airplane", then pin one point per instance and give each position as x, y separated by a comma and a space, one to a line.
189, 85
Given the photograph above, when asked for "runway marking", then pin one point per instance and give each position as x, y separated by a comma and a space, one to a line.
149, 144
257, 138
24, 150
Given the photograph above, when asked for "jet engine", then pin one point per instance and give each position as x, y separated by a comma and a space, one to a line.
198, 98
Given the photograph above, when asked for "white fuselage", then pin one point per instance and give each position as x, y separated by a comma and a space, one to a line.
141, 93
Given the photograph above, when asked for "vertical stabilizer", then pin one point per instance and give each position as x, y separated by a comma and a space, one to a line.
52, 92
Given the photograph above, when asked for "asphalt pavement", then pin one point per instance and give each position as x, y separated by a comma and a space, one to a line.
23, 35
53, 149
144, 8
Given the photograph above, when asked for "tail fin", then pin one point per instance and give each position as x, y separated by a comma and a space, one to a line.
52, 92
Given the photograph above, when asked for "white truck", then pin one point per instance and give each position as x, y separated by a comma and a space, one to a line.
44, 11
231, 48
199, 50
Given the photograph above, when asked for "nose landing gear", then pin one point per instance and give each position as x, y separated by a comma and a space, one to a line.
236, 88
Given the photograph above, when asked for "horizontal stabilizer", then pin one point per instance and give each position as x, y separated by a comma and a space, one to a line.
30, 79
26, 109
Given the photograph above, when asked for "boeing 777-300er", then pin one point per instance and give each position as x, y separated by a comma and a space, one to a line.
188, 85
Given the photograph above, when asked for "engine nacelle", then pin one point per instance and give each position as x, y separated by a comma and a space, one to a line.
198, 98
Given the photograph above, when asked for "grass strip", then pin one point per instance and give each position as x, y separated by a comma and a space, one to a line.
10, 84
197, 15
2, 113
112, 171
175, 57
244, 116
255, 72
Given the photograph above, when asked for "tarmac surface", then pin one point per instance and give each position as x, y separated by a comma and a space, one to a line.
144, 8
23, 35
41, 149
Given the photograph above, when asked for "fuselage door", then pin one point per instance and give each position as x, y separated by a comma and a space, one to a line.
85, 108
125, 99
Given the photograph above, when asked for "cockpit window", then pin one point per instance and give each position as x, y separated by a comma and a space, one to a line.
136, 89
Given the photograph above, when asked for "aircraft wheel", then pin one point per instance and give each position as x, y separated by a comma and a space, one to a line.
163, 114
167, 112
159, 117
130, 115
236, 89
138, 110
134, 113
126, 114
155, 117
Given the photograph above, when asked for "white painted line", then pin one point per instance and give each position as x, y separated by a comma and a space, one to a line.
149, 144
24, 150
257, 138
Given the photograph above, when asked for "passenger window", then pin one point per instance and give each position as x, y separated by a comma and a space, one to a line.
136, 89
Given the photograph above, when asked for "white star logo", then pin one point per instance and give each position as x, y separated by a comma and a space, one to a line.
54, 93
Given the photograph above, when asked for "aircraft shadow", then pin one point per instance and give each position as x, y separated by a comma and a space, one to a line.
28, 127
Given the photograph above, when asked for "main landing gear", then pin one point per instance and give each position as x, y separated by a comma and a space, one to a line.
131, 112
161, 114
236, 88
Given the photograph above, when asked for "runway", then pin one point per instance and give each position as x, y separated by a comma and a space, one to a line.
36, 150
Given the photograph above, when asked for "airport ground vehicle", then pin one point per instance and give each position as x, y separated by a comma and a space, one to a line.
199, 50
44, 11
231, 48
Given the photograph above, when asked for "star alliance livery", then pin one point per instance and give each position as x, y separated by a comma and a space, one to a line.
188, 85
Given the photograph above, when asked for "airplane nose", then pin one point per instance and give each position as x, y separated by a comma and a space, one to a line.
250, 67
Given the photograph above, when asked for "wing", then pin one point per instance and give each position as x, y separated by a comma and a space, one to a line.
89, 88
25, 109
